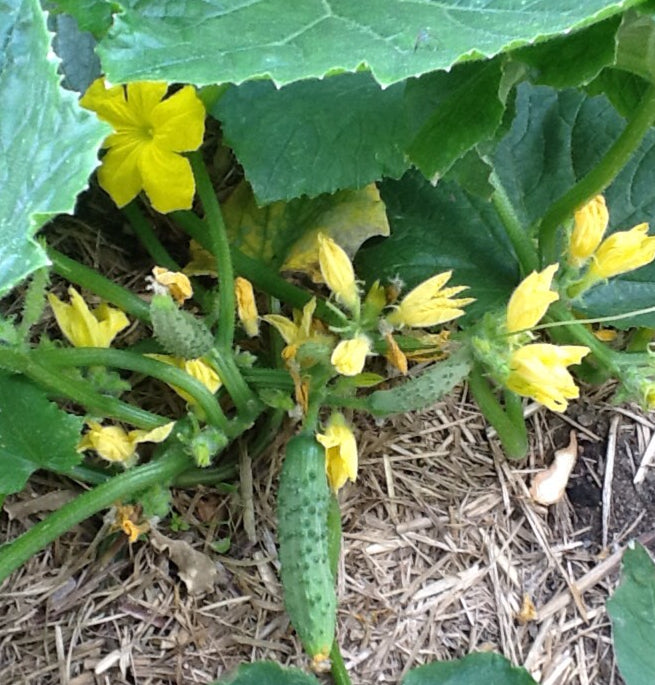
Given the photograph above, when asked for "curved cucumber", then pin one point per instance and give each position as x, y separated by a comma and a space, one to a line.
303, 503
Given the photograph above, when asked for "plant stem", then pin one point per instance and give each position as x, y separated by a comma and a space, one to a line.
511, 432
131, 361
598, 178
60, 385
123, 486
89, 278
220, 248
521, 242
339, 672
145, 233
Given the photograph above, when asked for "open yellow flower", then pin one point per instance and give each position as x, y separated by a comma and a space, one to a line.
175, 282
198, 368
539, 371
349, 356
340, 452
430, 304
115, 444
338, 272
246, 306
83, 327
590, 224
150, 133
623, 251
531, 299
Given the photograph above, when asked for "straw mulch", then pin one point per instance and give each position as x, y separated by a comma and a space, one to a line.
442, 546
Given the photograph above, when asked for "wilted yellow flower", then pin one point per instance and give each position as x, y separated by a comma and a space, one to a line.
177, 283
126, 518
395, 356
623, 251
590, 224
539, 371
340, 452
349, 356
530, 299
198, 368
246, 306
430, 304
115, 444
86, 328
151, 131
338, 272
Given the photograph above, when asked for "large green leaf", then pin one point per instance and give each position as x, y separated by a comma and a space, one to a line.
48, 145
214, 41
481, 668
34, 434
91, 15
632, 610
315, 137
267, 673
434, 229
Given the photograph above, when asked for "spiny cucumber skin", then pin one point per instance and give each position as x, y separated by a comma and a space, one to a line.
179, 332
303, 502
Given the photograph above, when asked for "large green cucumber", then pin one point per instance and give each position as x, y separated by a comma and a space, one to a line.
307, 579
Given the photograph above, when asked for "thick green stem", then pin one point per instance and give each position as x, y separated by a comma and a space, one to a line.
91, 280
339, 672
121, 487
219, 246
131, 361
145, 233
60, 385
598, 178
523, 246
245, 400
511, 432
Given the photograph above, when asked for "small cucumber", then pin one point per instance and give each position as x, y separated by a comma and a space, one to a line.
179, 332
307, 579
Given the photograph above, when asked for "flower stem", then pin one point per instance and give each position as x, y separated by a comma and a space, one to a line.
598, 178
89, 278
124, 359
145, 233
521, 242
219, 246
121, 487
78, 391
509, 426
339, 672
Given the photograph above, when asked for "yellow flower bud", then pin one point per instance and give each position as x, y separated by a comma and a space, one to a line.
338, 272
246, 306
349, 356
340, 452
623, 251
590, 225
531, 299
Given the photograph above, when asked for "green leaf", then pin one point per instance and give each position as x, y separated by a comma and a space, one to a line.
481, 668
47, 143
267, 673
91, 15
79, 63
34, 434
434, 229
315, 137
623, 89
213, 41
632, 610
636, 45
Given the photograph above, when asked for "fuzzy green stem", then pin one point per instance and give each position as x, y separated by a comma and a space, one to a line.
598, 178
145, 233
339, 672
121, 487
131, 361
60, 385
90, 279
523, 246
220, 248
245, 400
511, 432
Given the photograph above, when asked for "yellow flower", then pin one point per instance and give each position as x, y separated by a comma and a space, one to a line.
175, 282
395, 356
198, 368
539, 371
530, 299
623, 251
150, 132
590, 223
340, 452
429, 304
375, 300
125, 520
246, 306
115, 444
86, 328
338, 272
349, 356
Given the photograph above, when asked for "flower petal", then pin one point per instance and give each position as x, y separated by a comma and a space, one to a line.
179, 121
119, 174
143, 97
167, 179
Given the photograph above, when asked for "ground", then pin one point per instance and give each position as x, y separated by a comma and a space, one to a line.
441, 544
